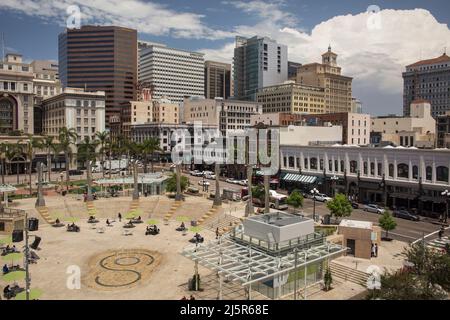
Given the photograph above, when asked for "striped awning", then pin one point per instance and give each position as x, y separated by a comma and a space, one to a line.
300, 178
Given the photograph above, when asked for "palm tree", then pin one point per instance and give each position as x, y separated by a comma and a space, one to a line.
86, 153
13, 151
31, 144
66, 138
3, 148
102, 138
49, 144
149, 146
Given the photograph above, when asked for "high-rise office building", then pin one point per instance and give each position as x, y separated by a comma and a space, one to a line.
258, 62
327, 75
217, 80
100, 58
172, 73
292, 69
428, 80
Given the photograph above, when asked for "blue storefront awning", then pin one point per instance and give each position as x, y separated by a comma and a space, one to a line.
298, 178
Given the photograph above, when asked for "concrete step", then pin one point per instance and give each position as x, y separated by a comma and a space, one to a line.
348, 274
43, 211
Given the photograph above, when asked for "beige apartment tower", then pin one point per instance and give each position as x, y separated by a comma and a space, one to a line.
327, 75
218, 82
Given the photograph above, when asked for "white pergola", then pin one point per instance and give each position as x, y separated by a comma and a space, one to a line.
142, 178
5, 189
246, 265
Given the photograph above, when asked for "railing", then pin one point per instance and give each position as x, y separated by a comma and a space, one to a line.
11, 213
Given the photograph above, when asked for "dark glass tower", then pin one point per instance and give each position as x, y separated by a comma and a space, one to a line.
100, 58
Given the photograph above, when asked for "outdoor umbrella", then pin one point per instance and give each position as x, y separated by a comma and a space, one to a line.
34, 294
6, 240
14, 276
12, 257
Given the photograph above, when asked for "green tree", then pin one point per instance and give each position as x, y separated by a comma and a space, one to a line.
171, 185
149, 147
3, 149
327, 279
31, 143
86, 154
50, 146
259, 193
67, 137
102, 138
387, 222
295, 199
339, 206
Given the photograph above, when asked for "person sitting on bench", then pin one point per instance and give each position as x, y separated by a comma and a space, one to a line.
57, 221
182, 227
108, 223
5, 269
7, 292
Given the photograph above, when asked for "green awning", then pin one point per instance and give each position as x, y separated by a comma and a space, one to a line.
299, 178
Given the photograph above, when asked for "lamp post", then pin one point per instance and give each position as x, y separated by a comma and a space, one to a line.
334, 180
446, 194
314, 192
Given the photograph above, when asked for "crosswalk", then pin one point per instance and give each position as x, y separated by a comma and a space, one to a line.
438, 244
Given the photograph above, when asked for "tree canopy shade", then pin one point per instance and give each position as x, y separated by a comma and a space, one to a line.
295, 199
428, 277
171, 185
387, 222
339, 206
258, 192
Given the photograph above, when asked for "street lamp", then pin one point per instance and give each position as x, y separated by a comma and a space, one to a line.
314, 192
446, 194
334, 179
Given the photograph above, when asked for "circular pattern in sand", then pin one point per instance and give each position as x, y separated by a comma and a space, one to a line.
121, 269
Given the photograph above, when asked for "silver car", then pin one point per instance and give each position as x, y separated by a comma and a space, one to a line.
373, 208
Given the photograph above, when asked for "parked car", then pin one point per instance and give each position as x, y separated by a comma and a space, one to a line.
196, 173
229, 180
75, 172
243, 182
404, 214
322, 197
210, 176
373, 208
355, 205
203, 183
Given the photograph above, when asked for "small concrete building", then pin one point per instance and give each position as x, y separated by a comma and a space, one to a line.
359, 236
11, 219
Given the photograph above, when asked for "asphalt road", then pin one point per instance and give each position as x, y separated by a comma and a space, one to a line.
406, 230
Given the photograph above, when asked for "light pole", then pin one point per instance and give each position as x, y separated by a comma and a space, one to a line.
314, 192
334, 180
446, 194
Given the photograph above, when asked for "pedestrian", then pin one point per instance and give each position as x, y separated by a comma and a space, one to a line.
376, 250
217, 233
372, 251
441, 232
191, 297
120, 217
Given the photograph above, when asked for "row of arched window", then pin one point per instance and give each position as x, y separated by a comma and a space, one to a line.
442, 172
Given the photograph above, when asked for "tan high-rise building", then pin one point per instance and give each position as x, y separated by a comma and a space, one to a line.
291, 97
327, 75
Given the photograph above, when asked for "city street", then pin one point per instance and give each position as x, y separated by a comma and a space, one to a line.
406, 230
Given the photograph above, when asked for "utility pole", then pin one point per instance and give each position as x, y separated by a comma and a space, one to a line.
27, 256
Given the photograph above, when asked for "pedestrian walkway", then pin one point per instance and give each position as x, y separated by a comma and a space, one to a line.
439, 244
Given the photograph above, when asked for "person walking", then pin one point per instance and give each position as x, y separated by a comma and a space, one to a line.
441, 232
217, 233
376, 250
372, 250
120, 217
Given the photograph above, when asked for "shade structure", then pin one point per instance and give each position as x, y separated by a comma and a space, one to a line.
7, 188
182, 219
152, 222
6, 240
300, 178
195, 229
34, 294
14, 276
12, 257
71, 219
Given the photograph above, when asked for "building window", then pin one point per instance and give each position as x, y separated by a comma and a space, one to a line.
365, 169
305, 161
379, 169
428, 173
313, 163
415, 172
285, 162
330, 165
291, 162
391, 170
442, 174
353, 166
403, 170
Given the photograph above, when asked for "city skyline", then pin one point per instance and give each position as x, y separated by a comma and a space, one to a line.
376, 64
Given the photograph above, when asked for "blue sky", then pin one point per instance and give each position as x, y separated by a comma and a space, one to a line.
375, 57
